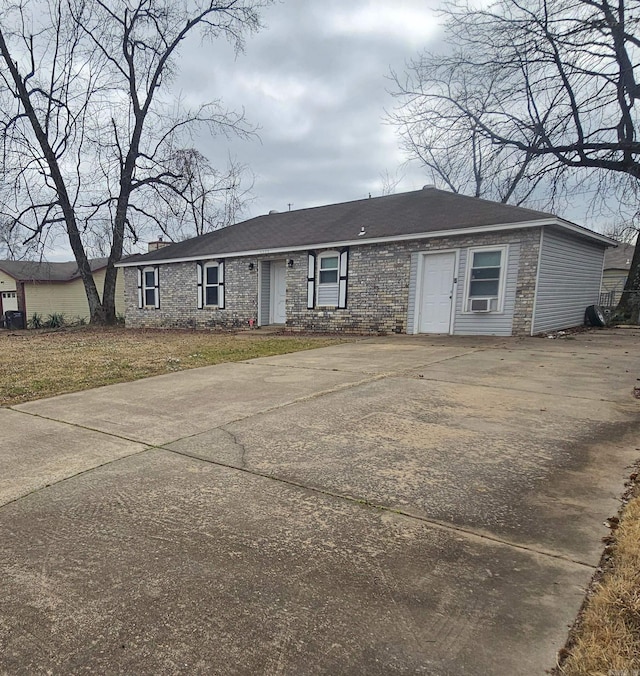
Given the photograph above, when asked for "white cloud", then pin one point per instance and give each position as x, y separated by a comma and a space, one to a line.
410, 22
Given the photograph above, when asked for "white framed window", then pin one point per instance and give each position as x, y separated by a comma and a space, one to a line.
210, 284
484, 290
149, 287
332, 278
328, 278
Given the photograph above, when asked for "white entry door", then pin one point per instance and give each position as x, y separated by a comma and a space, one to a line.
436, 299
278, 292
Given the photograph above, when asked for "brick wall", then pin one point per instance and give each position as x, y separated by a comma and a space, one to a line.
377, 290
377, 293
178, 298
527, 276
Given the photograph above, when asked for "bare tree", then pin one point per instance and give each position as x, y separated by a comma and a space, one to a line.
435, 130
563, 88
10, 246
204, 199
87, 123
390, 182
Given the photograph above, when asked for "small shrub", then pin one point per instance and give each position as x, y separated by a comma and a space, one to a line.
36, 321
55, 320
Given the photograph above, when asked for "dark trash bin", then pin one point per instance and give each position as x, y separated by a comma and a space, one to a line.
14, 319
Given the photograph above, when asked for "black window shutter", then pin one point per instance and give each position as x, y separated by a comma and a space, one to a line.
342, 285
221, 298
199, 278
156, 278
140, 296
311, 281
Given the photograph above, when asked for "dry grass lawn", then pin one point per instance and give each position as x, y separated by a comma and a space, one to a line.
607, 638
37, 364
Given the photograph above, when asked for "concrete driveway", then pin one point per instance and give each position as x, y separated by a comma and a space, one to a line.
396, 505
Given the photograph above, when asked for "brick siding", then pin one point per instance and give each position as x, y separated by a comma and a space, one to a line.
377, 289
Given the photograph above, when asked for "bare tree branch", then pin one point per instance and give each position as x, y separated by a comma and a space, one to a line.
84, 129
532, 93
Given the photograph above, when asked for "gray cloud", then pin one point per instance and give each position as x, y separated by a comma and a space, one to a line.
314, 80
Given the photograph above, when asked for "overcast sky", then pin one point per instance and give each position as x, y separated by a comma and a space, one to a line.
315, 81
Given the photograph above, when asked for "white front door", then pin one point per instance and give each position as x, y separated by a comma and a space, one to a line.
436, 299
278, 292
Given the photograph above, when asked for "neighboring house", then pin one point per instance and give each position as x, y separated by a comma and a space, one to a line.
427, 261
46, 288
617, 263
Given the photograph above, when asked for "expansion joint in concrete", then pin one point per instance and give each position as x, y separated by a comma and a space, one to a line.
87, 470
517, 389
435, 523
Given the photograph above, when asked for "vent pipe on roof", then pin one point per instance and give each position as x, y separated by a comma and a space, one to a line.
273, 211
428, 186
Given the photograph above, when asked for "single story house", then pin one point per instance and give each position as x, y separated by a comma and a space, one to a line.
44, 288
617, 263
427, 261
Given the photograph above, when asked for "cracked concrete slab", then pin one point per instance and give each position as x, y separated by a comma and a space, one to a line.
531, 366
163, 564
35, 452
378, 355
518, 466
160, 409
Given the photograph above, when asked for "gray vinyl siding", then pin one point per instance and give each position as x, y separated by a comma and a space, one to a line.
569, 278
265, 292
487, 323
413, 285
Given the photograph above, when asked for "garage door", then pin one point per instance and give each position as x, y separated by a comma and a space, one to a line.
9, 301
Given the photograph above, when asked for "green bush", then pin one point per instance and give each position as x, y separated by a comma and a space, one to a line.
36, 321
55, 320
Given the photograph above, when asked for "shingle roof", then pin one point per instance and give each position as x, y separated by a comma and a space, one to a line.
619, 258
423, 211
44, 271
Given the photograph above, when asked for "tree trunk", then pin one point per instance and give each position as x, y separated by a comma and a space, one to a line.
120, 219
629, 305
95, 306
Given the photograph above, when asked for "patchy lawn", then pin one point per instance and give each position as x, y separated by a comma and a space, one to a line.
37, 364
606, 637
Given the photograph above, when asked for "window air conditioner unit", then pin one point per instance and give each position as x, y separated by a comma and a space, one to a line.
481, 305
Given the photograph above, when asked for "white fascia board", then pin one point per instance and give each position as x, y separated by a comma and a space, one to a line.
585, 232
381, 240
